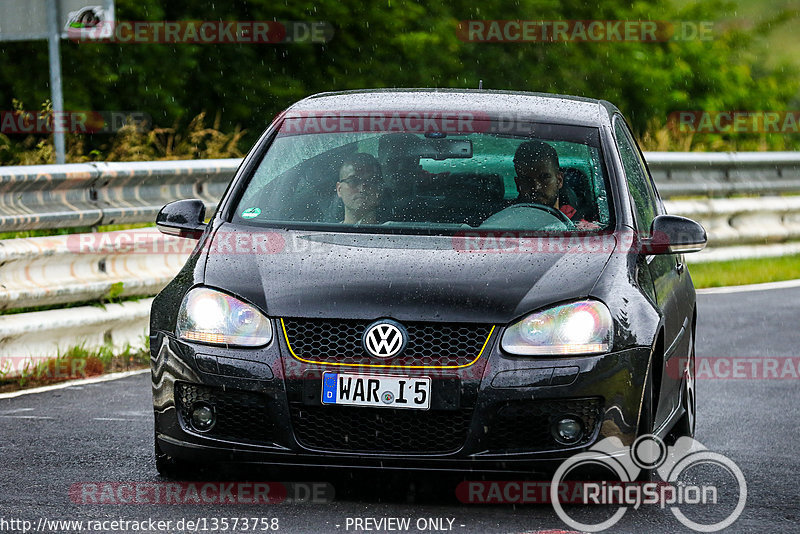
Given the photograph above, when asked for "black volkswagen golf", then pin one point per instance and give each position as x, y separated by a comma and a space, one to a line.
427, 279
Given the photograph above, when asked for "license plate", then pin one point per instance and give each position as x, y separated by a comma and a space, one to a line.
378, 391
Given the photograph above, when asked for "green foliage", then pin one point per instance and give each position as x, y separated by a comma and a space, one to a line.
73, 230
397, 43
196, 141
113, 293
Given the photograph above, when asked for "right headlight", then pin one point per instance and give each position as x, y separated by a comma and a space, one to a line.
582, 327
211, 316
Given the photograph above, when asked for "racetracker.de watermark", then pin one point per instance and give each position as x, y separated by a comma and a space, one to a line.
421, 121
181, 493
205, 32
734, 122
738, 367
265, 242
592, 31
76, 122
268, 241
511, 242
46, 369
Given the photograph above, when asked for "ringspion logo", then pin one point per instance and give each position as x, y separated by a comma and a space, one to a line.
649, 452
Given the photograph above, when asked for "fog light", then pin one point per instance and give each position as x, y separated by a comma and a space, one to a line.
203, 417
568, 430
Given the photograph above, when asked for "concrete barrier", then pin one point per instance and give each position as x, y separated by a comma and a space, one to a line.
30, 338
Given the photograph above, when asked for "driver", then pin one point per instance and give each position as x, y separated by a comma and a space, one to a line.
360, 187
539, 179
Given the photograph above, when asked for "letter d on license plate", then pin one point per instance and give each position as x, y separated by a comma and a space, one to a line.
378, 391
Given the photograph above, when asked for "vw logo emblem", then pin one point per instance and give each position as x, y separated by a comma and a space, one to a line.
384, 338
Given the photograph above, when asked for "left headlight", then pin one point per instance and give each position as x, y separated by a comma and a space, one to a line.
582, 327
210, 316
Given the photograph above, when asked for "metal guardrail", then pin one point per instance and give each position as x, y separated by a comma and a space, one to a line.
29, 338
724, 173
743, 221
67, 269
85, 267
82, 267
36, 197
91, 194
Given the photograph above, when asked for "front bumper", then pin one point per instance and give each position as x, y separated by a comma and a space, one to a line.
492, 415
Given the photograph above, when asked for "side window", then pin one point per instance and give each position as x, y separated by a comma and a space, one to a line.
644, 198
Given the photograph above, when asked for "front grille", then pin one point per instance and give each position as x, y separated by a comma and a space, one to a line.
525, 425
429, 344
241, 415
353, 429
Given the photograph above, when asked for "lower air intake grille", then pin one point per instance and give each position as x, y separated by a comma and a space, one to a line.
347, 428
525, 425
240, 415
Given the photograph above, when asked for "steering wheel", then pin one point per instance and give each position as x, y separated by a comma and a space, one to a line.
518, 211
549, 209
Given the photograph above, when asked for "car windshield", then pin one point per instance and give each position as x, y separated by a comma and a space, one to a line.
359, 174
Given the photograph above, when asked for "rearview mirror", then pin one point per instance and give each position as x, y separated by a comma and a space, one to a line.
440, 149
183, 218
671, 234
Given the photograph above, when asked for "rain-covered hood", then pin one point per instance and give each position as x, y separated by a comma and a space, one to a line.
406, 277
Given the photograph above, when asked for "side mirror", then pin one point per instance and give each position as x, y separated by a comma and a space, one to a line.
183, 218
671, 234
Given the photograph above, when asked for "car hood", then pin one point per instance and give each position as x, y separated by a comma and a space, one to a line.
289, 273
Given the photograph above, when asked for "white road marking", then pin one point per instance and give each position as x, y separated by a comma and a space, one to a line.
72, 383
785, 284
24, 417
9, 412
113, 419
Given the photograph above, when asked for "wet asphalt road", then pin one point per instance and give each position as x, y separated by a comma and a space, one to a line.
51, 441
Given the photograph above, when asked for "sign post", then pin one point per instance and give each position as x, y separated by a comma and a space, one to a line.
36, 20
54, 55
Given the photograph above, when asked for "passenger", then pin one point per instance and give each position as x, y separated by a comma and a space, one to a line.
539, 179
360, 187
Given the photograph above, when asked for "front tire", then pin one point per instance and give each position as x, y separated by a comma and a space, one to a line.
647, 417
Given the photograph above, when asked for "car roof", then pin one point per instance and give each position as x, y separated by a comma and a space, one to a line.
537, 107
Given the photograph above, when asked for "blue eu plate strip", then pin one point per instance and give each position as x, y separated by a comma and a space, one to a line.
329, 387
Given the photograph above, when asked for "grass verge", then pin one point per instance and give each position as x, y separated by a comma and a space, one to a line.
73, 230
76, 362
743, 272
